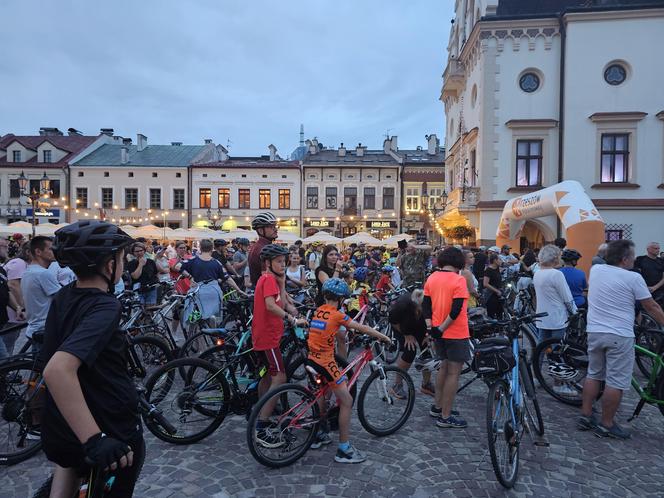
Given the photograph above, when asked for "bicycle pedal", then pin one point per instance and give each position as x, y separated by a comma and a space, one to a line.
544, 444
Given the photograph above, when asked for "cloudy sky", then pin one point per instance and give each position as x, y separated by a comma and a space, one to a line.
245, 71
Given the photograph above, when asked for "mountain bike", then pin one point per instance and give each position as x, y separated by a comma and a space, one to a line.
653, 391
297, 416
512, 406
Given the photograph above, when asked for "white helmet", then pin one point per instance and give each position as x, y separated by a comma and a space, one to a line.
561, 371
263, 220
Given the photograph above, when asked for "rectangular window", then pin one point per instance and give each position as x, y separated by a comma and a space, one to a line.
610, 235
331, 197
224, 198
413, 199
14, 189
312, 197
350, 200
284, 198
204, 195
81, 197
264, 198
131, 198
244, 198
473, 168
615, 157
155, 198
528, 163
47, 156
16, 156
107, 198
35, 186
388, 197
369, 197
178, 198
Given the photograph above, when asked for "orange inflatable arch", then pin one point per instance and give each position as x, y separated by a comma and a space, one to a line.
568, 200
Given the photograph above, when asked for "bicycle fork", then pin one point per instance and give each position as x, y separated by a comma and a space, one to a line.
383, 390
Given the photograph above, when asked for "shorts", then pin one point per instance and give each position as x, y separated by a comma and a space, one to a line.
456, 350
545, 334
408, 355
330, 372
611, 359
272, 360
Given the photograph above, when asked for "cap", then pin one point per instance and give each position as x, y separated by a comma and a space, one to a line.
495, 249
506, 246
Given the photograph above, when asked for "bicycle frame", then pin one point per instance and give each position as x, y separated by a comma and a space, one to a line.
658, 367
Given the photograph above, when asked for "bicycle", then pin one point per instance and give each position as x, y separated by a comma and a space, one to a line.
297, 416
512, 406
653, 392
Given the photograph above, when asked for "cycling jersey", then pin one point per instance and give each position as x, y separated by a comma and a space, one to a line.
322, 332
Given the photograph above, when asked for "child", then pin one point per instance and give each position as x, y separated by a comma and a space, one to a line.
384, 284
271, 307
322, 331
91, 414
360, 291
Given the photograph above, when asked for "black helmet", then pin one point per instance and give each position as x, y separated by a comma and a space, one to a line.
263, 220
570, 255
86, 243
271, 251
220, 242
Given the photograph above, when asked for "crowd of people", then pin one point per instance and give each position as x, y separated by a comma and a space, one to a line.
63, 289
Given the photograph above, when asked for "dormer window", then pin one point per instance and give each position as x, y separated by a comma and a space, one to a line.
47, 156
16, 156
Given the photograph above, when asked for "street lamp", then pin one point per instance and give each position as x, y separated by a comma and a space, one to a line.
213, 218
163, 225
34, 196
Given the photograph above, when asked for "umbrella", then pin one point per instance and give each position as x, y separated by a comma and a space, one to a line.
392, 241
153, 232
48, 229
322, 237
234, 234
363, 238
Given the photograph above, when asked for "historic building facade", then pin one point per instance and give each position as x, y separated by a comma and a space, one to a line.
539, 92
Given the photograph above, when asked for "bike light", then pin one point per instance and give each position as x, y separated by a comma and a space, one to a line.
318, 381
219, 342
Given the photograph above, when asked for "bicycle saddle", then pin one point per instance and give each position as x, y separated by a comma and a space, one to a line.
221, 331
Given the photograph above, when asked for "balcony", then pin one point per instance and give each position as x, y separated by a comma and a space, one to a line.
454, 78
463, 199
351, 211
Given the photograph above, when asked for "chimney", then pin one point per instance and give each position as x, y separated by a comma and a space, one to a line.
176, 144
141, 142
387, 145
124, 155
207, 141
50, 132
106, 131
313, 149
393, 143
126, 141
273, 152
342, 150
359, 150
74, 132
432, 144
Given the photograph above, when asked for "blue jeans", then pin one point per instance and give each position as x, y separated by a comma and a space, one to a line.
149, 297
545, 334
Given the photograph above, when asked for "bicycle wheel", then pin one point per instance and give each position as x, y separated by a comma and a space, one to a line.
532, 412
503, 448
391, 351
561, 369
659, 391
652, 341
151, 353
528, 340
195, 404
294, 364
380, 412
197, 343
289, 431
20, 407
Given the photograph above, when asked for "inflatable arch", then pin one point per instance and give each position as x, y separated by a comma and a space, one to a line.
584, 226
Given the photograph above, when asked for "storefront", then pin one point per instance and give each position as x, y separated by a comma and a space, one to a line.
313, 226
381, 229
42, 215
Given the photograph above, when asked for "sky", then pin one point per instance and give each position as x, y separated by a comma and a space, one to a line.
243, 73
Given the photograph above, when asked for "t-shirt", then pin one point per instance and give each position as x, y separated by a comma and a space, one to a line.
552, 293
314, 259
403, 312
255, 264
148, 275
479, 265
85, 323
202, 271
63, 274
15, 269
383, 285
38, 287
612, 296
323, 328
576, 281
495, 278
240, 257
183, 285
443, 287
650, 269
266, 328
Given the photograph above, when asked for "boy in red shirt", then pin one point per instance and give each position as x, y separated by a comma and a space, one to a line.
271, 308
323, 330
384, 284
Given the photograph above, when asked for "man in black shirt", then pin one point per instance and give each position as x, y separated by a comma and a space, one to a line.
91, 411
651, 268
479, 265
220, 253
143, 273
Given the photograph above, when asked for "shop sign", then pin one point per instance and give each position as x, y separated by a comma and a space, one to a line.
383, 224
46, 213
319, 224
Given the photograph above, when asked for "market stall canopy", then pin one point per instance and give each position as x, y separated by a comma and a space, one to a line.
235, 234
394, 239
322, 237
363, 238
22, 227
48, 229
288, 237
153, 232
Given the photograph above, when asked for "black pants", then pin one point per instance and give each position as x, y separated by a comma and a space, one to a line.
494, 306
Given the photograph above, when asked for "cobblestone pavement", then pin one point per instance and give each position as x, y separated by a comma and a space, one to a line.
420, 460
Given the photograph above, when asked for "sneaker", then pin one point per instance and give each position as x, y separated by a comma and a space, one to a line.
322, 438
268, 437
452, 421
350, 456
437, 412
587, 423
566, 390
615, 431
428, 389
397, 391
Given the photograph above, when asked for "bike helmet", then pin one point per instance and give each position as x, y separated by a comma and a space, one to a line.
271, 251
263, 220
388, 269
561, 371
220, 242
337, 287
570, 255
242, 241
360, 274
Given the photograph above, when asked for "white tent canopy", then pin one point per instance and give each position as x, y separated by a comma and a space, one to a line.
153, 232
48, 229
322, 237
363, 238
394, 239
288, 237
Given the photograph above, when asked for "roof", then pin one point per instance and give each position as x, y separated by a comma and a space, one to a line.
421, 156
73, 144
250, 162
331, 156
529, 8
423, 176
151, 155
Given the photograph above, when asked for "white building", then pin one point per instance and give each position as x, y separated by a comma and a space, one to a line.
540, 92
228, 193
